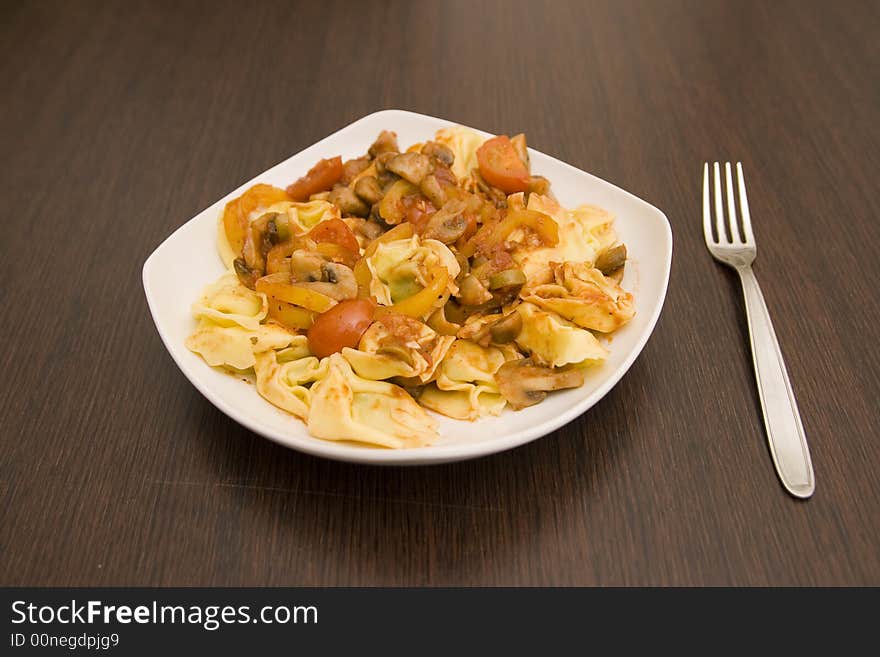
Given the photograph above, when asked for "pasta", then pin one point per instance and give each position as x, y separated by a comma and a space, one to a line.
444, 277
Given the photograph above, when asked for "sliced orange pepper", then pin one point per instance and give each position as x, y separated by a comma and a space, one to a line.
492, 235
236, 212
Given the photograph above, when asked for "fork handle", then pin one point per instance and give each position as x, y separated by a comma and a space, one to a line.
785, 433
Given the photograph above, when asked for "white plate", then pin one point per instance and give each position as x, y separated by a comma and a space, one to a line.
183, 264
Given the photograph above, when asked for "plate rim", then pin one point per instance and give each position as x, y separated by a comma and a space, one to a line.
432, 454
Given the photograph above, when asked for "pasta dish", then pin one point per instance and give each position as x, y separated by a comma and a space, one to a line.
444, 277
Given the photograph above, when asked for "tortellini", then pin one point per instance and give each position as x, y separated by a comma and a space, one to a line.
465, 387
402, 268
229, 329
585, 296
233, 346
282, 377
345, 406
227, 302
554, 341
398, 346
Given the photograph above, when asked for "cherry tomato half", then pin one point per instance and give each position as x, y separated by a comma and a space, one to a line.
341, 326
501, 167
320, 178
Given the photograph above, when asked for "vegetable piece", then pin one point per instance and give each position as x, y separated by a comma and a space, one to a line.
410, 166
368, 189
612, 259
392, 208
237, 211
289, 315
525, 384
351, 168
440, 152
522, 151
439, 323
348, 202
419, 211
280, 287
278, 258
386, 142
501, 167
506, 329
341, 326
320, 178
493, 234
507, 278
447, 224
422, 303
337, 282
337, 232
471, 292
539, 185
431, 187
246, 276
363, 277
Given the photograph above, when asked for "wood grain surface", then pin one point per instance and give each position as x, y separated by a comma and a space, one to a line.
119, 121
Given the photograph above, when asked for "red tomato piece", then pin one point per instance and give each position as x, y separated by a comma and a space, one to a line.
320, 178
341, 326
501, 167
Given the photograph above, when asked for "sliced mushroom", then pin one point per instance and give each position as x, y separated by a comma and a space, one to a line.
382, 160
525, 384
448, 223
611, 259
319, 196
431, 188
351, 168
306, 266
368, 189
246, 276
337, 281
471, 292
385, 142
411, 166
439, 151
506, 329
348, 202
257, 243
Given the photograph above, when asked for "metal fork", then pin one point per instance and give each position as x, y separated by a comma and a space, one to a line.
785, 433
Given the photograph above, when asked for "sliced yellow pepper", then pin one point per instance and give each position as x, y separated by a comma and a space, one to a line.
289, 315
422, 303
278, 288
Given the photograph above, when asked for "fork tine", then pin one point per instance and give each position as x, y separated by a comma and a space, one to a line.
707, 208
731, 205
744, 205
719, 206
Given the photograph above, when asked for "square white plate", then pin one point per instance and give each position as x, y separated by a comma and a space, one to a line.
183, 264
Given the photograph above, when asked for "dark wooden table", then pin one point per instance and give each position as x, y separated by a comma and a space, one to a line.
119, 121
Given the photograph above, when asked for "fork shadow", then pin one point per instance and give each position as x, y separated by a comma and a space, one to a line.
467, 523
